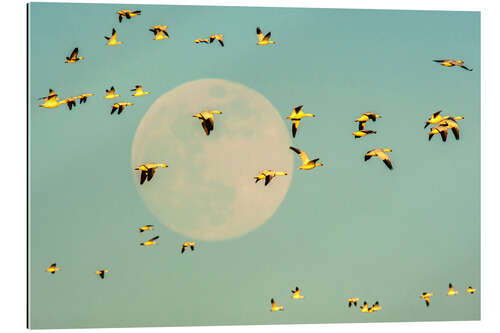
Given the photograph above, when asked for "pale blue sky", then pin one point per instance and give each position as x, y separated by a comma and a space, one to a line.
348, 229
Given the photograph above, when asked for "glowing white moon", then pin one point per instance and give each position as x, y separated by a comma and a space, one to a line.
208, 191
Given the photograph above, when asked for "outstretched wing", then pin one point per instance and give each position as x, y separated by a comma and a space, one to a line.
74, 54
151, 172
295, 127
384, 157
144, 175
367, 157
435, 114
303, 156
444, 135
260, 35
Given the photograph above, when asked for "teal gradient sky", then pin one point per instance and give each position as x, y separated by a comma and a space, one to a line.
348, 229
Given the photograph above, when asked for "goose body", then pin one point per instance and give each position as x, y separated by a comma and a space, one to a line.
101, 272
218, 38
110, 94
264, 40
146, 227
427, 297
207, 120
451, 63
363, 132
139, 91
471, 290
268, 175
52, 269
148, 170
120, 107
381, 153
201, 40
127, 14
112, 40
307, 164
73, 57
275, 307
451, 290
186, 245
296, 116
443, 130
353, 301
150, 242
296, 294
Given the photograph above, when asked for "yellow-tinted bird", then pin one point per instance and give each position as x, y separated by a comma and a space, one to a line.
307, 164
353, 301
186, 245
138, 91
112, 40
201, 40
363, 132
146, 227
296, 294
73, 57
364, 307
52, 269
101, 272
471, 290
452, 123
207, 119
150, 242
365, 117
275, 307
51, 101
376, 307
120, 107
83, 97
451, 63
70, 102
427, 297
264, 40
127, 13
148, 170
217, 37
110, 94
268, 175
451, 291
160, 32
381, 153
443, 130
296, 116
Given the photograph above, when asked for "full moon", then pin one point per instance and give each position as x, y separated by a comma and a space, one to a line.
208, 191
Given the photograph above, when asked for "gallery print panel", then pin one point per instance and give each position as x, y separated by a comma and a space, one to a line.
215, 165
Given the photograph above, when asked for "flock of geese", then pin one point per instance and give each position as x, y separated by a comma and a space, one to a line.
207, 119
